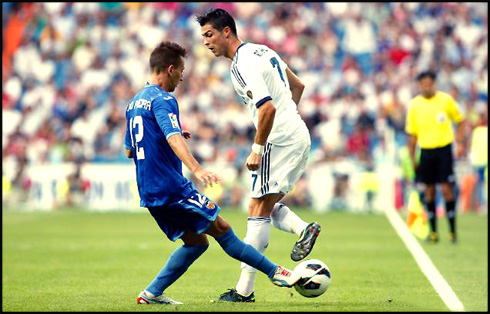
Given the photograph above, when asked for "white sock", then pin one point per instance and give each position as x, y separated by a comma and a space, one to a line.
285, 219
258, 233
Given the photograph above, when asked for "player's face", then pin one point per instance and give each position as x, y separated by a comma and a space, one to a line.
213, 40
427, 86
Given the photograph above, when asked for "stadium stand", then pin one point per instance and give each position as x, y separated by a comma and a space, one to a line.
69, 69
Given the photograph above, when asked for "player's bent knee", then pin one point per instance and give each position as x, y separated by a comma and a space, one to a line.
193, 239
222, 225
260, 209
218, 227
447, 191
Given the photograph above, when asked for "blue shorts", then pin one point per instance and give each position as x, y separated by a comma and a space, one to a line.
194, 214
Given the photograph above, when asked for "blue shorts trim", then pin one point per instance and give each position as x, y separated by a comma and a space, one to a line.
194, 214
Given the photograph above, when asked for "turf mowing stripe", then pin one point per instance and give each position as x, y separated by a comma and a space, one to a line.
430, 271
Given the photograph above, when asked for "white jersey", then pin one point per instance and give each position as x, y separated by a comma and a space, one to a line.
258, 75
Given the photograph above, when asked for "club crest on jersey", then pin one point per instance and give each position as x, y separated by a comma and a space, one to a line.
210, 205
441, 117
173, 120
250, 95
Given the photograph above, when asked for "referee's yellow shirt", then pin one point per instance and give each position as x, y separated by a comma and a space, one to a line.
430, 120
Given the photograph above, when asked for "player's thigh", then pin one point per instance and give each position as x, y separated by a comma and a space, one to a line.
194, 214
168, 223
445, 165
280, 169
427, 171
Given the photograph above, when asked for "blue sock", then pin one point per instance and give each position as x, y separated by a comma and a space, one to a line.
246, 253
177, 264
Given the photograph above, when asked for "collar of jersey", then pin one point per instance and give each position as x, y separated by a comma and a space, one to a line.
236, 52
148, 85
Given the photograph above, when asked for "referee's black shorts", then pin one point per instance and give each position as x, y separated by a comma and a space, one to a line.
436, 165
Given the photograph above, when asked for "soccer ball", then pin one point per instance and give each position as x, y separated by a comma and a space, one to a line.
315, 278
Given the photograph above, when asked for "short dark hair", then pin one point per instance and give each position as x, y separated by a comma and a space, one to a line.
425, 74
219, 19
165, 54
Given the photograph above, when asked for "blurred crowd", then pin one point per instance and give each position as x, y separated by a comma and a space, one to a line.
69, 70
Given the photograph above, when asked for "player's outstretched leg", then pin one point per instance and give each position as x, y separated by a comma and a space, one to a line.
246, 253
306, 241
285, 219
146, 297
258, 233
177, 264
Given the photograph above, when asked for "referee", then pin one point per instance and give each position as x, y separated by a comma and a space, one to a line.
429, 126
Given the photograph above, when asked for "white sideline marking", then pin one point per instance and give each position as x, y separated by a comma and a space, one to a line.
430, 271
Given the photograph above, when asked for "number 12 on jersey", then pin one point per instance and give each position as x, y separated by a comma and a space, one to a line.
137, 122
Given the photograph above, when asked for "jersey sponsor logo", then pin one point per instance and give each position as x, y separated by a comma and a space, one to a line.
173, 120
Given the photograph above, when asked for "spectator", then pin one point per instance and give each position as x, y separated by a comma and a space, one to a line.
75, 66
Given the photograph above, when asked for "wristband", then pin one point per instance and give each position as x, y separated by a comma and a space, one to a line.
258, 149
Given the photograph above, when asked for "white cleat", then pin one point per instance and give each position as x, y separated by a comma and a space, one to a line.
284, 277
147, 298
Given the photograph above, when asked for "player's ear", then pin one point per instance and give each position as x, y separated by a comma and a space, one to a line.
170, 69
227, 31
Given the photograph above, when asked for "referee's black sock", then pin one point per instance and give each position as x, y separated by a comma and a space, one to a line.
431, 209
451, 215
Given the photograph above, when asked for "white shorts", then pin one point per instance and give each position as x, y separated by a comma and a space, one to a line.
281, 168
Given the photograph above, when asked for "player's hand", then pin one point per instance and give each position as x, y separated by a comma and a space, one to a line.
415, 166
253, 161
186, 134
207, 177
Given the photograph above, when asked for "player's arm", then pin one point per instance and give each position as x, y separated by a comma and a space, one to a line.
411, 130
267, 112
182, 151
297, 87
460, 143
412, 146
458, 117
127, 143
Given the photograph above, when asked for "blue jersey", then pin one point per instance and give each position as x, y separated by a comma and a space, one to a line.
152, 117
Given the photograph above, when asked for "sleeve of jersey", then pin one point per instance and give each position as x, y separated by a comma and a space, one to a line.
454, 112
166, 115
410, 125
127, 140
253, 77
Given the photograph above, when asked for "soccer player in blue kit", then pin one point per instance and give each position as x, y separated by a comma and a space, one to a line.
155, 141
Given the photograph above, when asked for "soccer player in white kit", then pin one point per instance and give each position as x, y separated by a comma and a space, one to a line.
271, 92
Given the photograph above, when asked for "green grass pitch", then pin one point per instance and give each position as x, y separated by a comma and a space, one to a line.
72, 260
